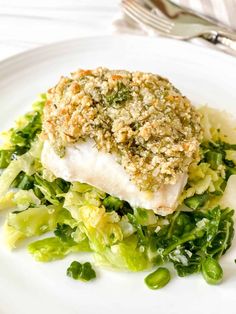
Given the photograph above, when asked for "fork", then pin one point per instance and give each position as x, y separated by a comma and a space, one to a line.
169, 28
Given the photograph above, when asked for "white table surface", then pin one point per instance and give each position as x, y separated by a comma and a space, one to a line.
25, 24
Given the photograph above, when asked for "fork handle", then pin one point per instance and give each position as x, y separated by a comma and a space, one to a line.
225, 41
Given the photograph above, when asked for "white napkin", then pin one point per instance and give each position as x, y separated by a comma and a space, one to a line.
223, 11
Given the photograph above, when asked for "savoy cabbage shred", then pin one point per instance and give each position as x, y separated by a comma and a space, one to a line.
84, 218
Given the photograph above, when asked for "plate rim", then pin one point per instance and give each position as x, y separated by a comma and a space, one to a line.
47, 47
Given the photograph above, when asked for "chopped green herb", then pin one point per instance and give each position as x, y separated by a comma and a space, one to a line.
51, 191
23, 134
209, 233
79, 271
225, 146
119, 96
23, 181
112, 203
230, 171
215, 159
196, 201
64, 232
139, 228
21, 138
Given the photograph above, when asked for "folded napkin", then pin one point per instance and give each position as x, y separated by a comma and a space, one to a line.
223, 11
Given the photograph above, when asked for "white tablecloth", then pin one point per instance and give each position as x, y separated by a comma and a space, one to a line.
25, 24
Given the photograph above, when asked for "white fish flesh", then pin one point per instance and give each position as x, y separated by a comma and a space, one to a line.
84, 163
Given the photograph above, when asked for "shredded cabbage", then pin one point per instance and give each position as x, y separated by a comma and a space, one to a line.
25, 199
125, 255
29, 163
53, 248
7, 201
36, 220
12, 236
218, 125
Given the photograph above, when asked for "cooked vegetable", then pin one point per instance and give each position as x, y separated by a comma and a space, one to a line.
35, 220
12, 236
83, 272
20, 138
112, 203
212, 271
64, 232
191, 236
52, 191
23, 181
25, 199
215, 159
5, 157
7, 202
53, 248
196, 201
126, 254
28, 163
84, 218
158, 279
9, 175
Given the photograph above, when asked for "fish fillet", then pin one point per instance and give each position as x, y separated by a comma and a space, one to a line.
84, 163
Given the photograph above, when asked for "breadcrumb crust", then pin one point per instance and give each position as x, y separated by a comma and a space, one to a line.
140, 117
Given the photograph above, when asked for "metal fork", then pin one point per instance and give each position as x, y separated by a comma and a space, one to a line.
169, 28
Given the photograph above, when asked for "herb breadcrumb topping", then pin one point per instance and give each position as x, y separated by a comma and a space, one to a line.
142, 118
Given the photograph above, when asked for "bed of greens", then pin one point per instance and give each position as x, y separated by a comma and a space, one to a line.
80, 218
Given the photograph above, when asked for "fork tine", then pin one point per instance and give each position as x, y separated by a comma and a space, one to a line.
155, 18
135, 10
141, 19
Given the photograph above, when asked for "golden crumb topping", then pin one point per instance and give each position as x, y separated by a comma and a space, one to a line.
140, 117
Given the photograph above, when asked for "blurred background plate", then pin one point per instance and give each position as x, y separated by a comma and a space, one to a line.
204, 76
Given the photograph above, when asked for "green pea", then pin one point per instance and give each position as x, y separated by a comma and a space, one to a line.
212, 271
158, 279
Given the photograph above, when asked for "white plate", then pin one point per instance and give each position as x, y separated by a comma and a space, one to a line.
26, 286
